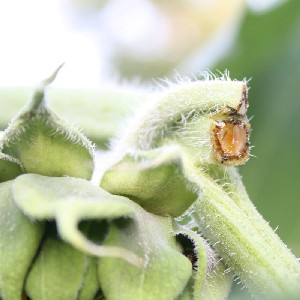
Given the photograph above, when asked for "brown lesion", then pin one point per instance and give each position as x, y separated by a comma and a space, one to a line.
231, 140
230, 133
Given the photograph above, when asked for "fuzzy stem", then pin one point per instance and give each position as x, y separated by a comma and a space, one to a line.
246, 242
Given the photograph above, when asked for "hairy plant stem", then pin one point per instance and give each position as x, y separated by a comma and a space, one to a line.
243, 238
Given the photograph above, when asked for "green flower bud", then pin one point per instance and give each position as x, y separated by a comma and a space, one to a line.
65, 238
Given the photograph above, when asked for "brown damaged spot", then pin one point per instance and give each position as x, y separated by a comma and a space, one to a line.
231, 141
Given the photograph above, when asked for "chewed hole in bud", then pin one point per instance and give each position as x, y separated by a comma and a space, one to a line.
191, 255
232, 138
231, 141
188, 250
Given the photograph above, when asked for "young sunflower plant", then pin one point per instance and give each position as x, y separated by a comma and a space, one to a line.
168, 218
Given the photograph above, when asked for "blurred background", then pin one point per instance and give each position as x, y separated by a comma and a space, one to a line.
133, 42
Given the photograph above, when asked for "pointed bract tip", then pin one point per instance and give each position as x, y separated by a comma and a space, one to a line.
50, 79
38, 97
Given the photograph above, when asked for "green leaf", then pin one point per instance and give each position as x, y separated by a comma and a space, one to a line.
71, 200
165, 271
152, 180
10, 168
45, 144
19, 240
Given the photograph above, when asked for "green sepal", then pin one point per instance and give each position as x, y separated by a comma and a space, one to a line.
57, 272
210, 280
62, 272
20, 238
44, 143
69, 201
10, 167
165, 271
90, 284
152, 180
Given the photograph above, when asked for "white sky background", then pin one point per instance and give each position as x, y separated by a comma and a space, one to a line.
38, 35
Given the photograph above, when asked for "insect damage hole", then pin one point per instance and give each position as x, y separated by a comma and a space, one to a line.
231, 141
188, 250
